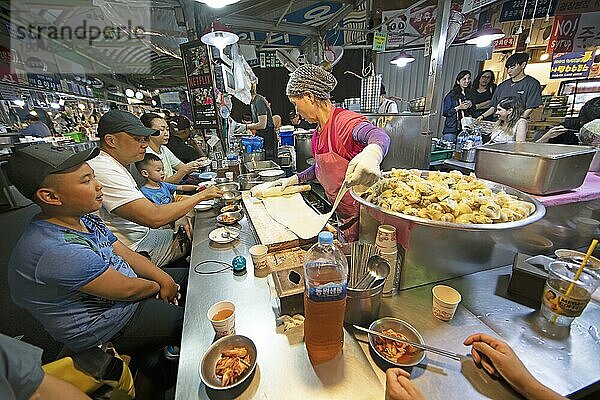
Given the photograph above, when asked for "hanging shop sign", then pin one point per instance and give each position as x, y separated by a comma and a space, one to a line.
412, 25
471, 5
588, 32
505, 43
47, 82
577, 6
35, 64
571, 65
564, 29
316, 15
379, 41
512, 10
196, 62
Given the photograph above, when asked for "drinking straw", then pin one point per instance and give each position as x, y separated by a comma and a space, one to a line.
579, 271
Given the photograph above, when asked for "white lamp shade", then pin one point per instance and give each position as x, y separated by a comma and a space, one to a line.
219, 39
402, 59
129, 92
139, 95
218, 3
485, 37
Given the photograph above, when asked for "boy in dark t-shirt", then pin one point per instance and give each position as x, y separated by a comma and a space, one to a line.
73, 275
524, 87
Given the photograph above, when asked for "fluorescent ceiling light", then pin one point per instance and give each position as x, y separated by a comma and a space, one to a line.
218, 3
19, 103
56, 106
485, 37
544, 57
129, 92
139, 95
402, 59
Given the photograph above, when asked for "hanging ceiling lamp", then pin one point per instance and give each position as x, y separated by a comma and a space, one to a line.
486, 36
218, 3
402, 59
217, 35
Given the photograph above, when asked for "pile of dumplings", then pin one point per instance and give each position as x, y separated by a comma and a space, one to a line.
447, 197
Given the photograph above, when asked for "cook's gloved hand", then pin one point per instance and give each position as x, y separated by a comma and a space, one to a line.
364, 167
285, 182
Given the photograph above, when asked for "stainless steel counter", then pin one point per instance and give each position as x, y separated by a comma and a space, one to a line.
567, 363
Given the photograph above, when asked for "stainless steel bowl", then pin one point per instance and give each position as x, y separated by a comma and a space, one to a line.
248, 181
538, 214
223, 218
231, 197
228, 187
212, 355
271, 175
220, 181
404, 328
232, 208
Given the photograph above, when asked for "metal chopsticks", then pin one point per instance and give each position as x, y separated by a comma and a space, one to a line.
425, 347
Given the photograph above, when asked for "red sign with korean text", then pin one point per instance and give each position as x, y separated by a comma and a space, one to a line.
504, 43
563, 33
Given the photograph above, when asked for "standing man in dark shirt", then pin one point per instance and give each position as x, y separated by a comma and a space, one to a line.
262, 121
299, 123
519, 85
178, 141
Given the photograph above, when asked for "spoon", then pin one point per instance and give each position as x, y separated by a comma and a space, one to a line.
376, 270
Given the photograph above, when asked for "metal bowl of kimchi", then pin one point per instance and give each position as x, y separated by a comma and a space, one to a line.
228, 362
392, 352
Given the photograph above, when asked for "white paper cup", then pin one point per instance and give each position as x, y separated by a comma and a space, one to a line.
445, 302
222, 320
229, 176
386, 237
258, 253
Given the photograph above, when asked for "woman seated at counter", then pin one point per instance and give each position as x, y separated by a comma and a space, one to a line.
175, 169
345, 145
457, 106
510, 127
565, 132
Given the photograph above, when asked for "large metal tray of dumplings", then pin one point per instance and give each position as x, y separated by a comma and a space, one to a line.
388, 216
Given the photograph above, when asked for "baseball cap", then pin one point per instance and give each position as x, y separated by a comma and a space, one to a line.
122, 121
28, 167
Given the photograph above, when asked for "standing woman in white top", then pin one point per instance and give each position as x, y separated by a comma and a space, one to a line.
510, 127
175, 169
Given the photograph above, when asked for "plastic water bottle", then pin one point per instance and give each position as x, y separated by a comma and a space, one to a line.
461, 140
477, 139
325, 280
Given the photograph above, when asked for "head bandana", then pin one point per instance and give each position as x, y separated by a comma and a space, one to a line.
313, 79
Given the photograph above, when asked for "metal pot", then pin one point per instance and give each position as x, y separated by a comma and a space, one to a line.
303, 150
228, 187
256, 156
231, 197
248, 181
417, 105
468, 155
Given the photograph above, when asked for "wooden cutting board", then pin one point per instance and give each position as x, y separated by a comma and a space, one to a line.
270, 232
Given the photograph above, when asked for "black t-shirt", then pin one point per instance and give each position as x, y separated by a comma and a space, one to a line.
183, 151
259, 106
477, 97
527, 89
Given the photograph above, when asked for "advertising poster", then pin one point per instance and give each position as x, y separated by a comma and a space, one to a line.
571, 65
201, 94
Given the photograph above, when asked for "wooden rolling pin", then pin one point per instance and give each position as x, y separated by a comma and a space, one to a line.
276, 191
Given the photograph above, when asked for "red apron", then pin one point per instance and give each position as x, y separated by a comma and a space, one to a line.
330, 169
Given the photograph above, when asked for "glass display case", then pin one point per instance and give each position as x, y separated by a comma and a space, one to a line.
578, 92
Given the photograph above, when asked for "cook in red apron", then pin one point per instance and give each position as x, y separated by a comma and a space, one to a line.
333, 148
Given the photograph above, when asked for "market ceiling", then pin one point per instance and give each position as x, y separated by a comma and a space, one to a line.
146, 48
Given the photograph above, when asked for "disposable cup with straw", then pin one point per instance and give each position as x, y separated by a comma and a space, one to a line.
568, 289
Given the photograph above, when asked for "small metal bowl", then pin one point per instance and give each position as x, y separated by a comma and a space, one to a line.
232, 208
224, 218
220, 181
228, 187
231, 197
212, 355
404, 328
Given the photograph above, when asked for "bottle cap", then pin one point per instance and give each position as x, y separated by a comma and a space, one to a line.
325, 237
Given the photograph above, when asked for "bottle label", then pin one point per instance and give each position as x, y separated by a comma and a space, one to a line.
328, 292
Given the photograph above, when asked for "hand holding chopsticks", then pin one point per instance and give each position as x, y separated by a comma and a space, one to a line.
425, 347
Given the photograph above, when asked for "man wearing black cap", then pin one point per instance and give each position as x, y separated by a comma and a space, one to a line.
73, 275
178, 141
129, 215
